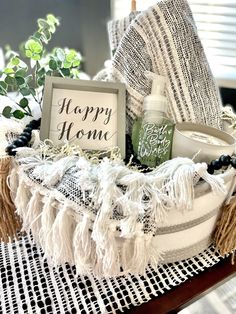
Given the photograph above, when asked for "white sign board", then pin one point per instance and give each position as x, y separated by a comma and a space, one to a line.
90, 113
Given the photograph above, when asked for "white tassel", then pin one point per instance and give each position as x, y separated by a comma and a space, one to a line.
138, 252
47, 218
140, 256
216, 182
62, 236
32, 218
57, 170
23, 196
35, 139
111, 257
41, 172
13, 181
84, 246
84, 229
179, 187
104, 228
87, 174
131, 202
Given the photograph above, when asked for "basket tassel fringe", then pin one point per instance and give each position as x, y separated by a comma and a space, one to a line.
9, 220
91, 236
225, 234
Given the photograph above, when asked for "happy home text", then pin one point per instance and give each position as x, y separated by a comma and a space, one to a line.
69, 130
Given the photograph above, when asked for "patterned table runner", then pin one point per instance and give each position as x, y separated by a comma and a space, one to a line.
28, 284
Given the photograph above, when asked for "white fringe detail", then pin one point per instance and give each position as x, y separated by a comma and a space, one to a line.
48, 217
57, 170
92, 237
35, 139
23, 195
32, 218
84, 246
50, 173
13, 180
62, 235
216, 182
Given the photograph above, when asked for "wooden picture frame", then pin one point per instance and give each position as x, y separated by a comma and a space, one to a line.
91, 113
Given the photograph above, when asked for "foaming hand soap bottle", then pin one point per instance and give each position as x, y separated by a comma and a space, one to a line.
156, 133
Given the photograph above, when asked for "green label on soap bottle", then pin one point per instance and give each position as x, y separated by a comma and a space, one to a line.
155, 143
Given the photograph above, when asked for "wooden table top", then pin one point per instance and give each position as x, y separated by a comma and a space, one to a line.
190, 291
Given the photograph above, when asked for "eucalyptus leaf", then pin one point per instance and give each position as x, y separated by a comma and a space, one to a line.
23, 102
7, 112
76, 63
59, 64
43, 24
15, 61
25, 91
52, 28
29, 78
34, 46
3, 84
65, 72
47, 34
20, 80
8, 71
36, 39
67, 65
40, 81
60, 54
32, 91
20, 72
41, 72
51, 18
44, 38
75, 72
71, 55
52, 64
3, 91
28, 53
49, 72
18, 114
37, 35
10, 80
36, 57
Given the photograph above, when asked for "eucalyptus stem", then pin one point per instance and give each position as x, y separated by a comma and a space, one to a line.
28, 80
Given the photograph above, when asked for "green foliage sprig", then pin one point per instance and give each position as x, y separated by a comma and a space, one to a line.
28, 79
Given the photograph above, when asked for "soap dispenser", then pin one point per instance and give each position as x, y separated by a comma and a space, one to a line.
156, 133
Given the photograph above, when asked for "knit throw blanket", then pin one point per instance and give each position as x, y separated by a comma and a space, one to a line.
101, 216
164, 40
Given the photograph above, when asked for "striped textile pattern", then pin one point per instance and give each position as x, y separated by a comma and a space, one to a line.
164, 40
28, 283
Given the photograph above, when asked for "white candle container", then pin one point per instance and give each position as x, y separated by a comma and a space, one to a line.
200, 142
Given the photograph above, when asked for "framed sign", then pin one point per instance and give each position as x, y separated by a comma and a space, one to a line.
90, 113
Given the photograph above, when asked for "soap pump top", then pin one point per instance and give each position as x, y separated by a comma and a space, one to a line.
155, 104
156, 100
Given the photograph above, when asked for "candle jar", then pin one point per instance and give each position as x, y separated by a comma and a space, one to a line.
201, 142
